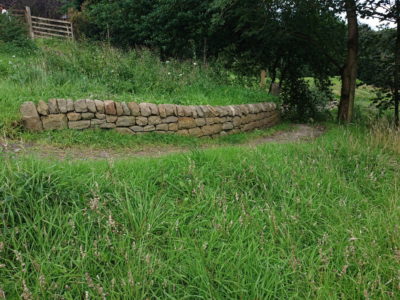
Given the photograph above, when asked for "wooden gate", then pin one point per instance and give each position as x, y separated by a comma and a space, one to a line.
44, 27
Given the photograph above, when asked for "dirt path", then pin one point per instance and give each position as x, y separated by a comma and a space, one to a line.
300, 132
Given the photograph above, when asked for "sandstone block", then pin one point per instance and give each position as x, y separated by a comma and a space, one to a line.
125, 121
199, 111
80, 106
149, 128
141, 121
83, 124
145, 109
62, 105
100, 116
162, 127
124, 130
73, 116
119, 109
187, 111
153, 109
53, 107
70, 105
162, 111
54, 122
43, 108
184, 132
170, 119
212, 129
186, 123
227, 126
196, 132
126, 109
95, 123
99, 106
91, 105
200, 122
237, 121
173, 126
180, 111
109, 107
134, 108
170, 110
108, 125
154, 120
87, 116
137, 128
30, 117
111, 119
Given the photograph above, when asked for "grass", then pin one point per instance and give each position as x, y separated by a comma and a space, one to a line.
62, 69
310, 220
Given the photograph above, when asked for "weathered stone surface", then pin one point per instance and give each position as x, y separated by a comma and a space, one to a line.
170, 110
199, 111
53, 107
149, 128
134, 108
80, 106
162, 111
70, 105
141, 121
91, 105
87, 116
193, 110
212, 129
200, 122
99, 106
111, 119
173, 126
95, 123
83, 124
124, 130
171, 119
213, 120
126, 109
56, 121
145, 109
108, 125
187, 111
196, 131
154, 120
125, 121
43, 108
118, 108
137, 128
100, 116
73, 116
62, 105
184, 132
237, 121
186, 123
227, 126
30, 117
109, 107
213, 111
153, 109
180, 111
162, 127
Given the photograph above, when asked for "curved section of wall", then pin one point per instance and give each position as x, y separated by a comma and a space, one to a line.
137, 118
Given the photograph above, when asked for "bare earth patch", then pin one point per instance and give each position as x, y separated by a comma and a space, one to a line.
300, 132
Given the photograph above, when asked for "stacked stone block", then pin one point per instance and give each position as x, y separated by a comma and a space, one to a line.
138, 118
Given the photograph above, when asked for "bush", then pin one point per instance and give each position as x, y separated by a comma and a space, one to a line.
300, 102
14, 35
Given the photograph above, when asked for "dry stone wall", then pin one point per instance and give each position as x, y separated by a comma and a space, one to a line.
137, 118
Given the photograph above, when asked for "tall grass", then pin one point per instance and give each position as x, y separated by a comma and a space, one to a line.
316, 220
60, 69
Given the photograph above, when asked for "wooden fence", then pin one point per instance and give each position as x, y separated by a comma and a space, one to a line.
44, 27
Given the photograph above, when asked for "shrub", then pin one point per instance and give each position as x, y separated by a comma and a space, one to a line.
14, 35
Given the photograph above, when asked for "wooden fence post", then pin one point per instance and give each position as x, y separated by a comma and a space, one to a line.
29, 21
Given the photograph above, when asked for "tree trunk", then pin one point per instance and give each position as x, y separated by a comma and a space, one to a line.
349, 71
397, 67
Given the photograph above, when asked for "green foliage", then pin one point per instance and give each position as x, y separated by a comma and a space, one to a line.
62, 69
14, 36
305, 221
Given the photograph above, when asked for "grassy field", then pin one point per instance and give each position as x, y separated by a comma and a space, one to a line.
308, 220
304, 220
